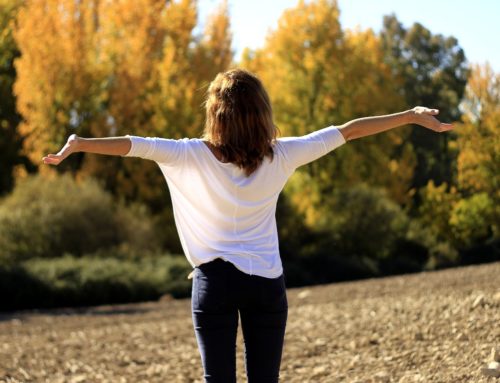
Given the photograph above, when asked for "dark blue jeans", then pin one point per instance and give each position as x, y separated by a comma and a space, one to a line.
219, 292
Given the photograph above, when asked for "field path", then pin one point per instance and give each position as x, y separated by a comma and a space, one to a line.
428, 327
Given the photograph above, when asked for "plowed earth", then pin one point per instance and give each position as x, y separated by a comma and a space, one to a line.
427, 327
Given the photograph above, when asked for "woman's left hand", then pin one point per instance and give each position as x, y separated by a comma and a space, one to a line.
423, 116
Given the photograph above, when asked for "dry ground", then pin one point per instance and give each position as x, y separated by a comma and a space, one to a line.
428, 327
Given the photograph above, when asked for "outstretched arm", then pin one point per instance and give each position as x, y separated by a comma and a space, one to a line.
304, 149
113, 146
367, 126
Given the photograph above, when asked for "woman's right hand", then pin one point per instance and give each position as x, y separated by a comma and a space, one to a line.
70, 147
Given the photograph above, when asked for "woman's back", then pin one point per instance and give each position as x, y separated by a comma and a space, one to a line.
219, 210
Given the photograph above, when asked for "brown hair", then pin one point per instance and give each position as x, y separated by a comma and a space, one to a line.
239, 119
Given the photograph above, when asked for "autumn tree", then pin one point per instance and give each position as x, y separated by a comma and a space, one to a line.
127, 40
466, 212
213, 54
317, 75
11, 157
55, 85
477, 216
113, 68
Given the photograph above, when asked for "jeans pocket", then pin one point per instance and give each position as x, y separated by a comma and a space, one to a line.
273, 294
209, 291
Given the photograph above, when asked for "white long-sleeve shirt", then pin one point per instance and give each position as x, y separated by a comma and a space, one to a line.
219, 212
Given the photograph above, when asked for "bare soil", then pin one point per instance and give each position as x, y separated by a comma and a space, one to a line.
427, 327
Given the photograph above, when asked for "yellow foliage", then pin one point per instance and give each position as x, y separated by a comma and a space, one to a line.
51, 36
107, 68
318, 75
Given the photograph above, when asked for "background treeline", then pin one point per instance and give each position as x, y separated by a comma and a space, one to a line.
100, 229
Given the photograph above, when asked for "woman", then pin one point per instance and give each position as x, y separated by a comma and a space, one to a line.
224, 190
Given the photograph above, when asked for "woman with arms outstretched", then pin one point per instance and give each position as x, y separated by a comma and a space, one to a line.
224, 189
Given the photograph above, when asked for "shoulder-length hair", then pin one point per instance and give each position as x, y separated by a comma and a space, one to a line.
239, 119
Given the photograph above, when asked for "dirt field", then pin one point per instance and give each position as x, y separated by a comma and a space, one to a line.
429, 327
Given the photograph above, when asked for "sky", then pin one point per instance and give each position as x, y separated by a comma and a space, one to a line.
476, 24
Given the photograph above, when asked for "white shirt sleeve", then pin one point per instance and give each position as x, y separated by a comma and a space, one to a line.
302, 150
161, 150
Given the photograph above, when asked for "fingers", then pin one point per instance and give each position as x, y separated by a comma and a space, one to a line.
445, 127
51, 159
439, 127
432, 112
442, 127
425, 110
48, 161
67, 149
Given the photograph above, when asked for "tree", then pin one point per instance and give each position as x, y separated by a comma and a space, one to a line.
114, 68
318, 75
11, 157
466, 213
213, 53
433, 72
478, 215
141, 47
54, 85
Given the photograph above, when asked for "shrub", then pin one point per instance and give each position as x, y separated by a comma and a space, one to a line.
438, 251
71, 281
363, 221
46, 217
482, 253
471, 220
360, 233
435, 208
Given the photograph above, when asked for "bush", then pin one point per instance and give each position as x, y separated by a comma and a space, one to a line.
482, 253
48, 217
360, 233
364, 222
322, 263
71, 281
472, 219
20, 289
440, 252
437, 202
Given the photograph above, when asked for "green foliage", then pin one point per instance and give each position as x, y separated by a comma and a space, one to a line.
471, 219
365, 222
432, 226
356, 233
48, 217
433, 71
360, 220
71, 281
430, 250
457, 220
434, 211
479, 155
